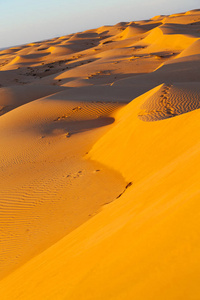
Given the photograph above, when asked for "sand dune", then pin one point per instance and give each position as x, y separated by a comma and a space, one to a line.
99, 163
193, 49
170, 101
14, 96
45, 137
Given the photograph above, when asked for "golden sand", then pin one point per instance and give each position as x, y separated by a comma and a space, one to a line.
99, 163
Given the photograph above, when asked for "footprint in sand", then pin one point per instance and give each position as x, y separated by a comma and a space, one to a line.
77, 174
68, 134
95, 171
59, 118
169, 102
77, 108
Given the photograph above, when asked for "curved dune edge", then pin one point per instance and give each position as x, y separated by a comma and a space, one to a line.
193, 49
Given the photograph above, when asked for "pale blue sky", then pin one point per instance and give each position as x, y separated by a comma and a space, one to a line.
24, 21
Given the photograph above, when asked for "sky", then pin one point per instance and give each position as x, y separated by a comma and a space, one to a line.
25, 21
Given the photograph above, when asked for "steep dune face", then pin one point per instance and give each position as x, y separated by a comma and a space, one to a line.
193, 49
156, 142
99, 163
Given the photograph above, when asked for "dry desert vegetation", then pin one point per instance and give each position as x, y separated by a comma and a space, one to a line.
100, 164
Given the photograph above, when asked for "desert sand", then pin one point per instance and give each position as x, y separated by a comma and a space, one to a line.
99, 163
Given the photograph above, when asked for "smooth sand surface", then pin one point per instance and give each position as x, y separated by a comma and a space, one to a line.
99, 163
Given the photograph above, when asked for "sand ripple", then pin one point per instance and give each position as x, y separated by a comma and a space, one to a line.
170, 101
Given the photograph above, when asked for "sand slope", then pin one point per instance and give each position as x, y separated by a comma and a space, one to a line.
99, 164
44, 180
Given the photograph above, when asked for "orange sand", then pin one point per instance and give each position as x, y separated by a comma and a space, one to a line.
99, 164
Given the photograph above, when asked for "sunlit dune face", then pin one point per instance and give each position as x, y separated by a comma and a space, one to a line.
170, 101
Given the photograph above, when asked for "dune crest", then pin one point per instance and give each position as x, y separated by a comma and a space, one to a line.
171, 101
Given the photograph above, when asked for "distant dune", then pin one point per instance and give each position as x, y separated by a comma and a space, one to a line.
99, 163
